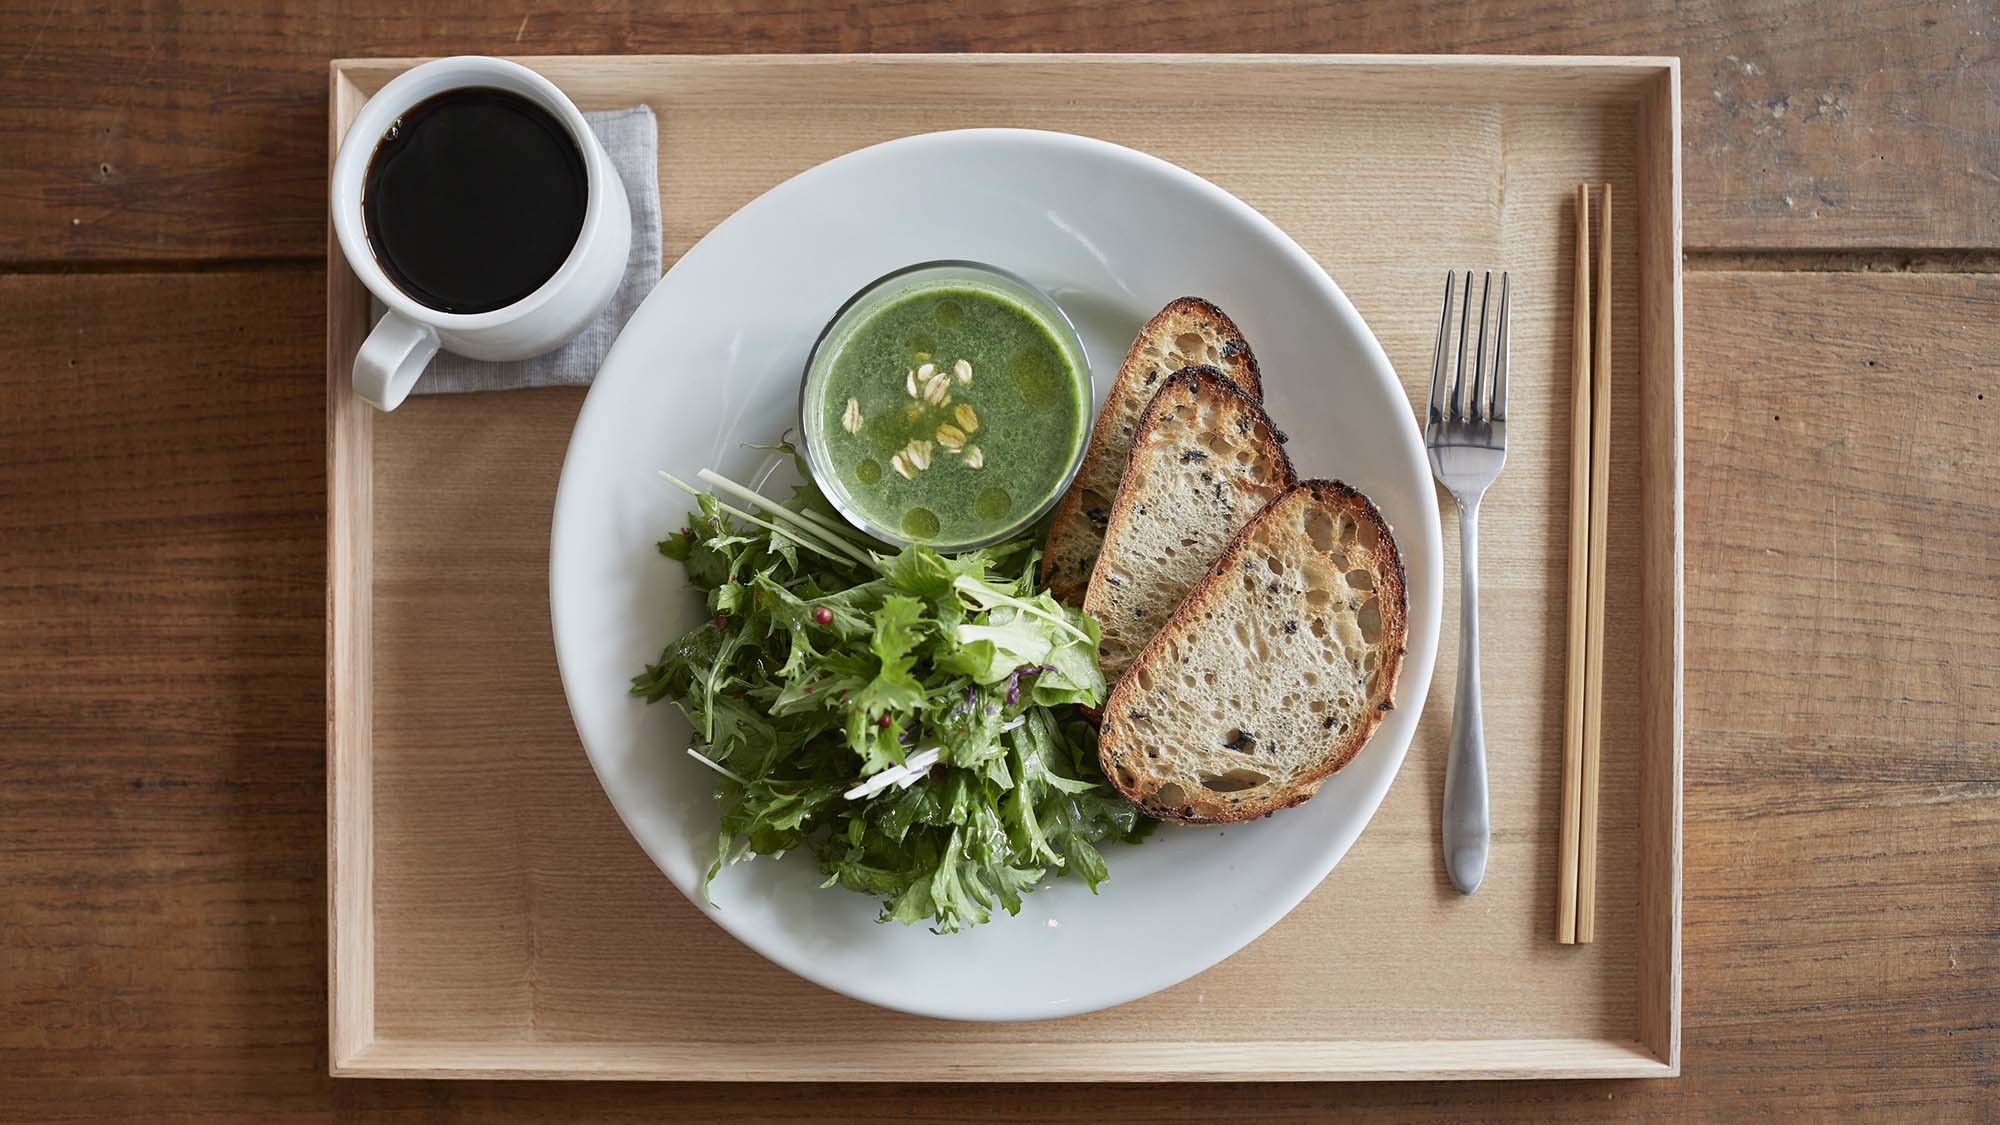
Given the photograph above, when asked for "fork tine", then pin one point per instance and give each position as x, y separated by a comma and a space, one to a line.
1503, 343
1438, 350
1477, 410
1458, 373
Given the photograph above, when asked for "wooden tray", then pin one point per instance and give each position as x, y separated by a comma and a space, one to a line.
490, 916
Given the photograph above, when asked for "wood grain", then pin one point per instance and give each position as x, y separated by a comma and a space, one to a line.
155, 130
161, 800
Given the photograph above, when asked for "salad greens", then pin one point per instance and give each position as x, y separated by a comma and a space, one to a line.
910, 718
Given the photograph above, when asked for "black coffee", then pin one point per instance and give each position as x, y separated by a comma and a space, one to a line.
473, 199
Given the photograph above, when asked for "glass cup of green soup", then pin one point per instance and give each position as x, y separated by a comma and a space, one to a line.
946, 404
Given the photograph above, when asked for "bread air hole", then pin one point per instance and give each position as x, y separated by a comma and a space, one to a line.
1234, 781
1190, 344
1348, 533
1319, 529
1143, 677
1370, 620
1170, 795
1126, 778
1360, 579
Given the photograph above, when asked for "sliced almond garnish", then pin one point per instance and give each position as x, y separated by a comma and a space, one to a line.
963, 369
967, 420
902, 466
925, 372
918, 454
973, 458
951, 437
910, 382
938, 391
851, 420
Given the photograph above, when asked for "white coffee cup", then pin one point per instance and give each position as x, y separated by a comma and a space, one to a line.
404, 341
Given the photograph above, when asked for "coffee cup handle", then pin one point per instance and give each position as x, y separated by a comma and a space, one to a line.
391, 358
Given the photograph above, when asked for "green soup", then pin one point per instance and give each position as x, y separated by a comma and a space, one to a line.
948, 412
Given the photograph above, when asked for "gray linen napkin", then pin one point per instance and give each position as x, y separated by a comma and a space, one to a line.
632, 139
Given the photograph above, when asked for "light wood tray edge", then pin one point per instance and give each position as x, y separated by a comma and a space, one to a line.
1386, 77
1277, 1061
350, 842
354, 1050
1662, 568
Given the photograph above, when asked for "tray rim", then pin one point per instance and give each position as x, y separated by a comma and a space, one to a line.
1651, 83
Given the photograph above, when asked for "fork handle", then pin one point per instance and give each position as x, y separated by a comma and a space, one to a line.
1465, 815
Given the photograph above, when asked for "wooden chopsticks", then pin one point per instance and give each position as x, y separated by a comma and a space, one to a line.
1579, 575
1589, 516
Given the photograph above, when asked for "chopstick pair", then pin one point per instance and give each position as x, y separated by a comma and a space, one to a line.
1589, 517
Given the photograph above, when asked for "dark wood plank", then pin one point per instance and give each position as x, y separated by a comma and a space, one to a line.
147, 129
1842, 919
161, 798
162, 735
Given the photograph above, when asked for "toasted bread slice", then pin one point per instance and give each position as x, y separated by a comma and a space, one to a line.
1204, 460
1188, 331
1273, 672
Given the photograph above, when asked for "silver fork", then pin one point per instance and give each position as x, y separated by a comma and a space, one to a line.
1467, 440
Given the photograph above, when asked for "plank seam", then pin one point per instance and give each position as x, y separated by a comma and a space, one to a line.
1844, 261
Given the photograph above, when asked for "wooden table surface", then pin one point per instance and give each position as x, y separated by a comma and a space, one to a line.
162, 524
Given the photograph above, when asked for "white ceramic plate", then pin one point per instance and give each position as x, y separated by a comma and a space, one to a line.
712, 360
